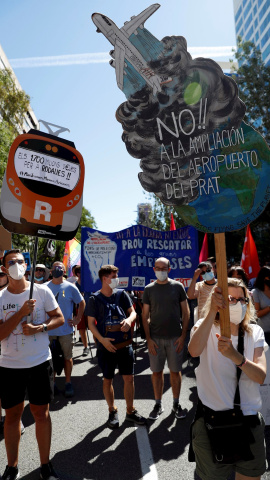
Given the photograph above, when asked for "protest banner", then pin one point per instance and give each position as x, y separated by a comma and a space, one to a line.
184, 120
134, 251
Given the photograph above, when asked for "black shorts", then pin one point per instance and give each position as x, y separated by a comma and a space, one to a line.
36, 381
122, 358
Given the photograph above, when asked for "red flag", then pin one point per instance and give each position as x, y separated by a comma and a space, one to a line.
204, 251
172, 227
250, 260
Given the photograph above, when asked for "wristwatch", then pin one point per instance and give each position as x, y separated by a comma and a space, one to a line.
45, 327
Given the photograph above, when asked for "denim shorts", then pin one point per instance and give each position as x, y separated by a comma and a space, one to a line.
166, 351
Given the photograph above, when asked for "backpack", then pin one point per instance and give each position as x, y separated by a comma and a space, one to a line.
109, 319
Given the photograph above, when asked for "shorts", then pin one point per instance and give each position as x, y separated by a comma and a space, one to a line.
82, 325
123, 358
208, 470
66, 342
166, 350
36, 381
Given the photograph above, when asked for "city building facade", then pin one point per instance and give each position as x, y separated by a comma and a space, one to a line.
252, 22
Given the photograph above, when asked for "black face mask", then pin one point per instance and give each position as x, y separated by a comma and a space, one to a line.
57, 272
267, 282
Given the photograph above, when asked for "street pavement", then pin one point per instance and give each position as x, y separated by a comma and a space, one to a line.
83, 448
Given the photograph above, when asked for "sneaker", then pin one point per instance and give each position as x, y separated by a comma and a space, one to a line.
156, 412
69, 390
86, 351
135, 417
22, 428
179, 413
113, 420
48, 473
11, 473
1, 427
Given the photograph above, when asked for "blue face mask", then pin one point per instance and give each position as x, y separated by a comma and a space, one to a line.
39, 279
208, 276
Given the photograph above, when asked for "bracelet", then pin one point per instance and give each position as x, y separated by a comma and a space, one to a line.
244, 361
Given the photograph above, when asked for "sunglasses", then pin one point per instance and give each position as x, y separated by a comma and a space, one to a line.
206, 271
12, 262
242, 300
40, 270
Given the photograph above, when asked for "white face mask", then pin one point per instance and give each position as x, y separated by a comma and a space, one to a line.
114, 283
237, 313
161, 276
16, 271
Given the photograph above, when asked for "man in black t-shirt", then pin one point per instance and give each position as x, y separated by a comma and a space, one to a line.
109, 356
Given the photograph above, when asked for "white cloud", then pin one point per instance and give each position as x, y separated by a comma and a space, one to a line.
103, 57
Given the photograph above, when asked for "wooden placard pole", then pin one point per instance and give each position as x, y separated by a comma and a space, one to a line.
222, 276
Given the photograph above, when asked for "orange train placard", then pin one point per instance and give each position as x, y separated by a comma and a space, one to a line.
42, 188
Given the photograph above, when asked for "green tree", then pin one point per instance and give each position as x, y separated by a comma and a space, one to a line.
14, 104
87, 220
253, 79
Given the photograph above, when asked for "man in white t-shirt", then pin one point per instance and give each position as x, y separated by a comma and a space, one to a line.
25, 361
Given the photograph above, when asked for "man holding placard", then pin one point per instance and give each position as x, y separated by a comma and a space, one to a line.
25, 362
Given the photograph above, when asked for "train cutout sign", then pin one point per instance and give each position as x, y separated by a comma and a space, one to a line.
42, 191
183, 119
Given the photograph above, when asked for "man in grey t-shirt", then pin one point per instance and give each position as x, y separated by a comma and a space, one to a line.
164, 306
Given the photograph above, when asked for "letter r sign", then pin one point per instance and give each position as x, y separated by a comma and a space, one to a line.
42, 208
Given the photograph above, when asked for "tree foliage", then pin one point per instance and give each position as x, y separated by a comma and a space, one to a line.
14, 102
254, 86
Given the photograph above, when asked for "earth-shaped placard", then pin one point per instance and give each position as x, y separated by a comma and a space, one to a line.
184, 120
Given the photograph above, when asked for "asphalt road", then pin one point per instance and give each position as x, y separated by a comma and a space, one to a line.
83, 448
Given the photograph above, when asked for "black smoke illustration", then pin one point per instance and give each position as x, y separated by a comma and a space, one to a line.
139, 114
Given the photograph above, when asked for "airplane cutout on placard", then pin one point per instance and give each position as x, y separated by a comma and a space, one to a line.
124, 49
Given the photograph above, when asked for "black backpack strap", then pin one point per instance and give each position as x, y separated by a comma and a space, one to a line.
240, 348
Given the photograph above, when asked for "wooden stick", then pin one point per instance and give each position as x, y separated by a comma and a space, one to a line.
222, 276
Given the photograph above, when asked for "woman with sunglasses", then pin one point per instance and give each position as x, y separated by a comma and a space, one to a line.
261, 298
217, 379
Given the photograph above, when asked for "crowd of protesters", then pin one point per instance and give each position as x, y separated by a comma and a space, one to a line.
59, 306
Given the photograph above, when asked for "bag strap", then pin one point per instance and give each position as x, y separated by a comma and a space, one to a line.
118, 294
240, 348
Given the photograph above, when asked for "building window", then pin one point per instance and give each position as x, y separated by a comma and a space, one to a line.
238, 13
265, 23
264, 9
249, 34
249, 20
247, 9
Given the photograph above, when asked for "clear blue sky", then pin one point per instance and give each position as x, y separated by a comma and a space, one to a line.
84, 96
